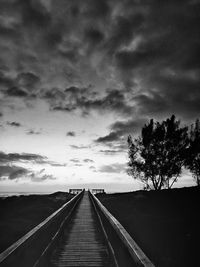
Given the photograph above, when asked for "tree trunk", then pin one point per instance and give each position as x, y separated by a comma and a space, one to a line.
198, 180
173, 182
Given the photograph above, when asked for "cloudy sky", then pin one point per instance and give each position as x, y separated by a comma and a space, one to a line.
76, 77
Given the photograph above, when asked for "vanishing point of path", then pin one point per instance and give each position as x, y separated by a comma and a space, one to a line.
83, 243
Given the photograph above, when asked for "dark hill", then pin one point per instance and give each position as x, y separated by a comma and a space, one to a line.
165, 224
19, 214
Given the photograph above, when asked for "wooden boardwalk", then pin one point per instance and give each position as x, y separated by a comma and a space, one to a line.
83, 243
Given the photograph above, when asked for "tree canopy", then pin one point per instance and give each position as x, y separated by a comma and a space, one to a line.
157, 156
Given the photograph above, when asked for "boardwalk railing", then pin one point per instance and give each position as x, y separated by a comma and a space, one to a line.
26, 251
35, 248
126, 251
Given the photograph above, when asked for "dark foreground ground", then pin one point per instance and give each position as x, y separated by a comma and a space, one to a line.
19, 214
166, 224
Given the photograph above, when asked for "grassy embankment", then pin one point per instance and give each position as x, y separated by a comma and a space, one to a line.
19, 214
165, 224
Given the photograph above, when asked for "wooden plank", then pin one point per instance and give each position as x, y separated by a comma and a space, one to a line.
84, 244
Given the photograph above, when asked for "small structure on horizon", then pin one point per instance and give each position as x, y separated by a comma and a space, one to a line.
74, 191
98, 191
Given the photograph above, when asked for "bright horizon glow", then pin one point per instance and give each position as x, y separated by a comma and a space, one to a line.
80, 167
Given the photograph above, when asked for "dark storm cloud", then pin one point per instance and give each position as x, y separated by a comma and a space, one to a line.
74, 97
85, 100
166, 37
26, 15
71, 134
113, 101
119, 132
23, 85
28, 80
32, 33
61, 108
27, 158
12, 171
181, 93
94, 36
18, 173
40, 176
113, 168
166, 27
69, 54
111, 137
75, 160
127, 60
7, 31
126, 127
54, 97
151, 103
12, 157
123, 30
33, 132
54, 164
149, 47
34, 13
96, 9
54, 36
88, 160
14, 124
5, 80
15, 91
35, 178
175, 93
166, 59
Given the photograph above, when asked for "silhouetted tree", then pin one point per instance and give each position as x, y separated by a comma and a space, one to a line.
193, 152
157, 156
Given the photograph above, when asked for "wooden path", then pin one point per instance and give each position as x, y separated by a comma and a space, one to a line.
83, 243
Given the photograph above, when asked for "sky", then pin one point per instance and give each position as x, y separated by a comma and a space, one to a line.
77, 77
